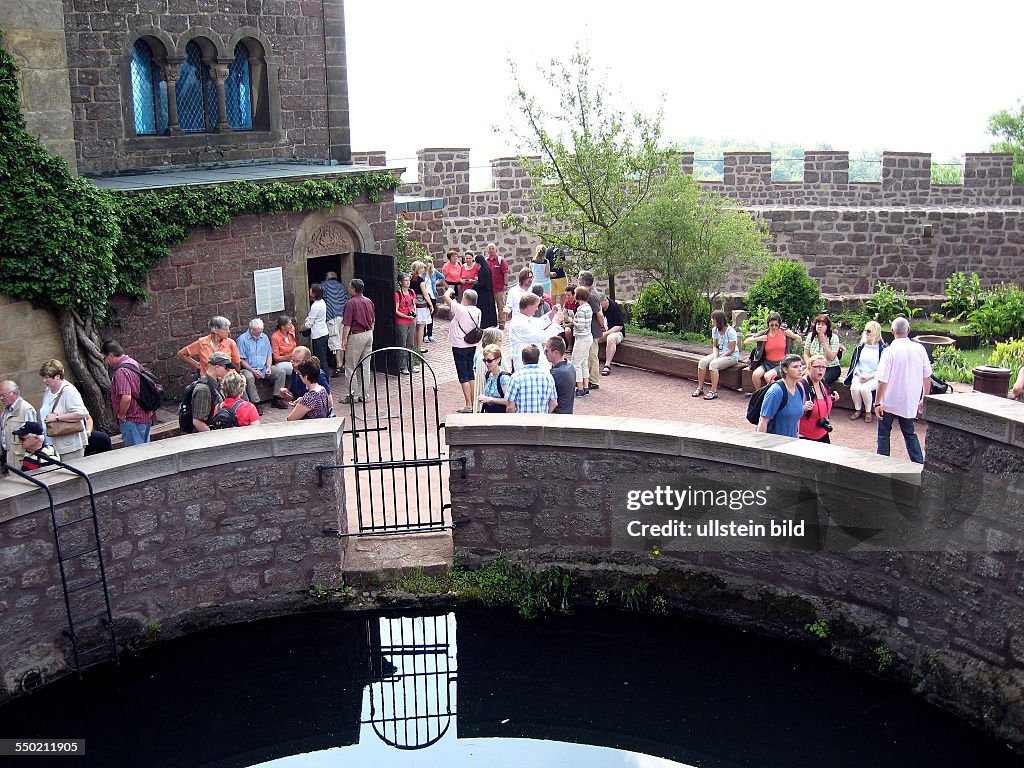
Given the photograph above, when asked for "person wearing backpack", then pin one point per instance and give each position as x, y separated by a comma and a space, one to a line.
203, 397
495, 383
784, 403
126, 390
234, 411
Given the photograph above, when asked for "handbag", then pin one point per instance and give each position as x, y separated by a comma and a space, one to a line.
756, 356
473, 336
62, 428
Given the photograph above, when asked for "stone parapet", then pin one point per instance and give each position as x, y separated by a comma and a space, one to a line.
213, 519
553, 490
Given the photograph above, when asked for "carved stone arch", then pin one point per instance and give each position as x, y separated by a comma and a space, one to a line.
250, 32
209, 42
336, 230
152, 34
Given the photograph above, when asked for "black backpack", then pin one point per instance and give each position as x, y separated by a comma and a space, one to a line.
151, 394
185, 408
939, 387
757, 400
226, 418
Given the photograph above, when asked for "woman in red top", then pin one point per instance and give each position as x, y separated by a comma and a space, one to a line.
232, 388
814, 424
405, 321
470, 271
776, 345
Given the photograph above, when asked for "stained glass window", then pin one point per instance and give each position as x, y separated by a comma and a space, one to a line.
195, 92
149, 92
238, 91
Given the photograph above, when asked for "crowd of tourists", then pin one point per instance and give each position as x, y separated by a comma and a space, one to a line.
793, 392
555, 328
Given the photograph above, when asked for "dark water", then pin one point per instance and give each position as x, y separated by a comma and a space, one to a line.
484, 688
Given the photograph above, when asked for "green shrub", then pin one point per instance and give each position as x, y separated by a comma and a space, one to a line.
1009, 354
950, 364
886, 304
657, 311
964, 294
1001, 316
785, 288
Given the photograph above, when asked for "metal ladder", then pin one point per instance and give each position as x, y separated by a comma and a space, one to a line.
80, 590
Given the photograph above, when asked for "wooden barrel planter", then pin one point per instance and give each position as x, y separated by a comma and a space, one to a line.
991, 380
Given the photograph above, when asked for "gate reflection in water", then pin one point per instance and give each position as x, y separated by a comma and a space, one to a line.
412, 671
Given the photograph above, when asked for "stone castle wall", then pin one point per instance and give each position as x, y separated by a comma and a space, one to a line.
308, 117
902, 229
34, 35
211, 273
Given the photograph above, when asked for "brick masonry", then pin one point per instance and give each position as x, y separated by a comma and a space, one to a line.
178, 534
901, 229
536, 493
211, 273
305, 81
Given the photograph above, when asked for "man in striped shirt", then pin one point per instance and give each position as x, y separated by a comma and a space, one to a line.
336, 297
531, 390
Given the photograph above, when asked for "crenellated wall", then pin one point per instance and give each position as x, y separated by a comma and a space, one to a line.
901, 229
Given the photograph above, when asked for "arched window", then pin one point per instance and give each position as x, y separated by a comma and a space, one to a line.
238, 90
149, 92
196, 94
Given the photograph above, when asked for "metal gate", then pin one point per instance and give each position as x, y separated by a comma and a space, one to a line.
399, 465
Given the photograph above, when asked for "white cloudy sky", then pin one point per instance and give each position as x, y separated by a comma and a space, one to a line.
905, 75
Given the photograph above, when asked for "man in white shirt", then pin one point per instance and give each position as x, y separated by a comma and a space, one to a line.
904, 378
525, 329
516, 292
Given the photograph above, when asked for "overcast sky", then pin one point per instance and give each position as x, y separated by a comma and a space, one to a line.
898, 75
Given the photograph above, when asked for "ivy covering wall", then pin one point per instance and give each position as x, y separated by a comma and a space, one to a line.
67, 246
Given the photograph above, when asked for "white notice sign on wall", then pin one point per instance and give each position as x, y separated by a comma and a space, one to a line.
269, 284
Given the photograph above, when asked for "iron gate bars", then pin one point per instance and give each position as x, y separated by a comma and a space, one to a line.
396, 444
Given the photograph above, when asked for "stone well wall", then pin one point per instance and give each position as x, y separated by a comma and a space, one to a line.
206, 521
901, 229
926, 565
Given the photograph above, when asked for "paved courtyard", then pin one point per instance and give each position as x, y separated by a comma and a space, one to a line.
634, 392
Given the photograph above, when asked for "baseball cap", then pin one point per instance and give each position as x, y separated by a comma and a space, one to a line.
29, 428
220, 358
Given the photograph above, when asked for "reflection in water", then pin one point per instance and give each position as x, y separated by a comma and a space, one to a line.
599, 689
410, 697
409, 702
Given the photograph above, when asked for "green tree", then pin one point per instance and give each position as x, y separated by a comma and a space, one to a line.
1008, 125
949, 172
690, 241
597, 164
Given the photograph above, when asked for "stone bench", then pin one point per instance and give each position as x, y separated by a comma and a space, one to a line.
676, 362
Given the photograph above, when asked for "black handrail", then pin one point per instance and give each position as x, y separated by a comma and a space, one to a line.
109, 618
